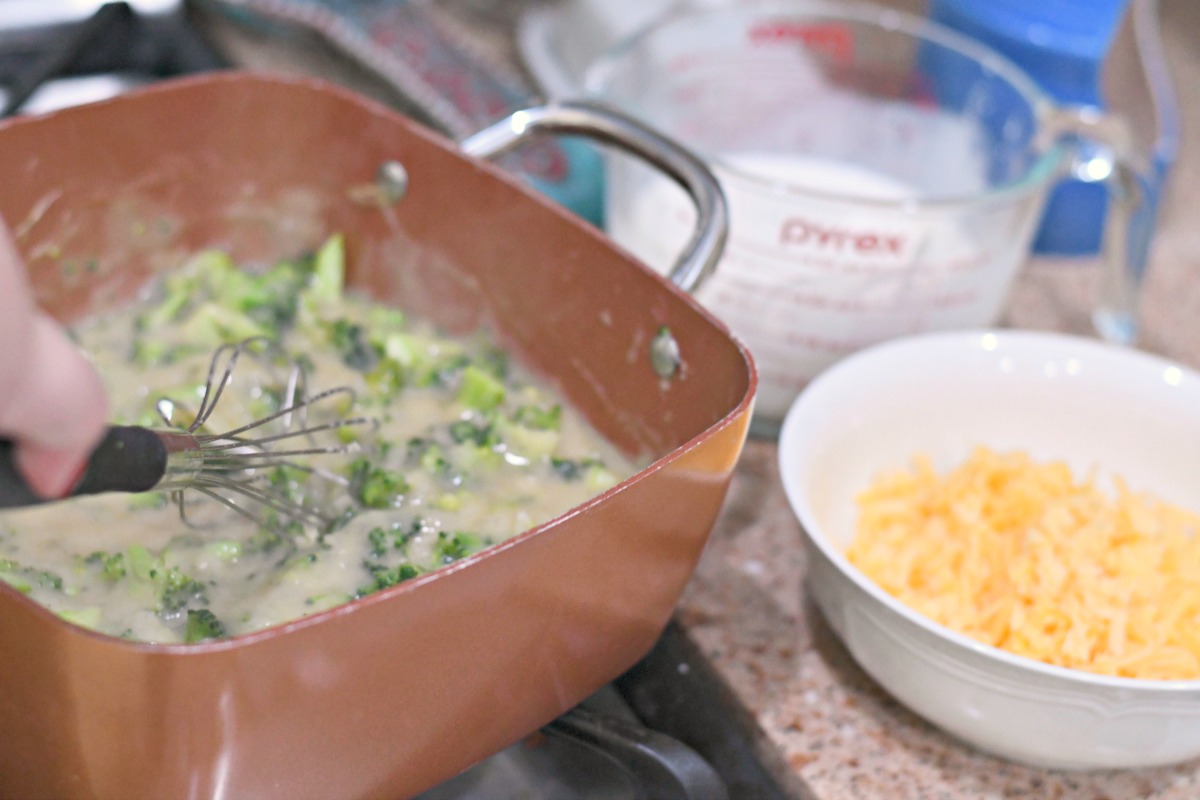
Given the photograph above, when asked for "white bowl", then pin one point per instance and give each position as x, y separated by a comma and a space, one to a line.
1093, 405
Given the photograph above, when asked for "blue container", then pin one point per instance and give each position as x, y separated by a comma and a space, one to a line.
1062, 45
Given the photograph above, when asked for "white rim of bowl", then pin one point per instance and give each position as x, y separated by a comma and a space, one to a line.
800, 506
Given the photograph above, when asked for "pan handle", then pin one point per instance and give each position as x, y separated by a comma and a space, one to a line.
700, 255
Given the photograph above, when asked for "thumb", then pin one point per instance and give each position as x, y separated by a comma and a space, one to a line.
59, 413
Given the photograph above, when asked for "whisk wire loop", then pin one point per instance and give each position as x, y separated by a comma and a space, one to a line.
233, 465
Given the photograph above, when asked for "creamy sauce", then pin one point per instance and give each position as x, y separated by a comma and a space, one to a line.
469, 450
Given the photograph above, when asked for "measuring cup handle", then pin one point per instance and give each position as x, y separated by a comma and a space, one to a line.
704, 248
1130, 219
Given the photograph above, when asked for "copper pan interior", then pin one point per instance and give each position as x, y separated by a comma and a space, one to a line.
109, 194
102, 197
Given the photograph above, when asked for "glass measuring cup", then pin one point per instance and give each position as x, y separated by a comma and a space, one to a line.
884, 175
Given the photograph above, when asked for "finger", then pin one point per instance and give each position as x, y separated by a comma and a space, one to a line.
58, 413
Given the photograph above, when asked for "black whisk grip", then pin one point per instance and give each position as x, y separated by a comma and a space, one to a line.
128, 459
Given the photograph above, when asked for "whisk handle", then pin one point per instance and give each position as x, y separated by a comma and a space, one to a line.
128, 459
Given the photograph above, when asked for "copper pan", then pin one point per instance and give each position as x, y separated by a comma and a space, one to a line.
398, 691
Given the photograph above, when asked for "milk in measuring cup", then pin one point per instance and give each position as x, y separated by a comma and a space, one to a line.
808, 277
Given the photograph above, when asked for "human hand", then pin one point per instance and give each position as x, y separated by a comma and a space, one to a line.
52, 403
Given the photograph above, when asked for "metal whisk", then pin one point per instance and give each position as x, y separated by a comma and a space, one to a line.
232, 467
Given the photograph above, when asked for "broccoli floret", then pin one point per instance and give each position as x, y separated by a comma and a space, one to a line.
329, 271
112, 565
213, 324
180, 288
178, 590
386, 379
383, 577
385, 320
480, 389
452, 546
271, 298
350, 340
477, 432
376, 487
445, 371
174, 589
289, 482
494, 361
89, 617
566, 468
538, 418
141, 564
380, 540
149, 352
264, 540
430, 456
202, 625
23, 578
149, 499
592, 470
383, 540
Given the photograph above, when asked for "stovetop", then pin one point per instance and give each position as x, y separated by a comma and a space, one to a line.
665, 730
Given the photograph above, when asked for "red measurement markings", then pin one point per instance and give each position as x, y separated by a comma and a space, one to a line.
832, 39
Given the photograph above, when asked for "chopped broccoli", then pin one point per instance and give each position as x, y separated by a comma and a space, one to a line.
380, 540
178, 590
148, 352
214, 324
265, 401
376, 487
576, 469
385, 577
480, 390
89, 617
532, 443
430, 456
449, 501
149, 499
385, 379
202, 625
384, 320
406, 350
173, 589
351, 342
180, 288
395, 538
445, 370
477, 432
452, 546
492, 360
290, 482
140, 563
320, 602
271, 298
112, 565
264, 540
539, 418
329, 271
23, 578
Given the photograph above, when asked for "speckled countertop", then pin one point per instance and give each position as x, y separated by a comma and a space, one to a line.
825, 729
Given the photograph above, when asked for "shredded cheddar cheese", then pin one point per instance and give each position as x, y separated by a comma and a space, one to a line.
1022, 556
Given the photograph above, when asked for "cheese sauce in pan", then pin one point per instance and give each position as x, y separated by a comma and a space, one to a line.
469, 450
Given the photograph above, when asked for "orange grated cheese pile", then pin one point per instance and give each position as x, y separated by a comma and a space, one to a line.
1020, 555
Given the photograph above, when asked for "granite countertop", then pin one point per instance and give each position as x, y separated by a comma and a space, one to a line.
823, 727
